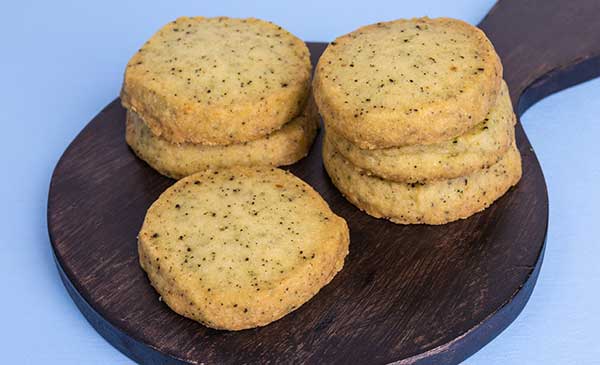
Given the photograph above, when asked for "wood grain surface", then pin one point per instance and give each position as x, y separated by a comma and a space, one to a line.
407, 294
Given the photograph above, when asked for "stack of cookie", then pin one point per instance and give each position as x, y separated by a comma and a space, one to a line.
216, 92
420, 126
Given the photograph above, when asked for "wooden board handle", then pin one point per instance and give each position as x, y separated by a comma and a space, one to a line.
545, 45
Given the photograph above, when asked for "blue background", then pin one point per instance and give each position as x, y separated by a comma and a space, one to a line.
61, 62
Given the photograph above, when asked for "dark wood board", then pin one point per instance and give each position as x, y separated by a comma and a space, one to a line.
407, 294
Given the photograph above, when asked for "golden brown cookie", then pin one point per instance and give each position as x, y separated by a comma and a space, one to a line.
437, 202
240, 247
408, 81
218, 81
284, 146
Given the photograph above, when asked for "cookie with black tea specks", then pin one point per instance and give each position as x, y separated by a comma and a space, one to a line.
218, 81
284, 146
404, 82
240, 247
436, 202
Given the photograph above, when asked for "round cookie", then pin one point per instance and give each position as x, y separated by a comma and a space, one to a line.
241, 247
404, 82
437, 202
282, 147
217, 81
479, 148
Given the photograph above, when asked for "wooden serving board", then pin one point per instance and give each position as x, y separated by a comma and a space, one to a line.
408, 294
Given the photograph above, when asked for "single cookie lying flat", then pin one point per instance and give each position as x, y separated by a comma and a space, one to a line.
479, 148
436, 202
282, 147
241, 247
416, 81
217, 81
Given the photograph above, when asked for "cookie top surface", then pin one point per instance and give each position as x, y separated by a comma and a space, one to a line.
481, 146
218, 80
414, 81
243, 246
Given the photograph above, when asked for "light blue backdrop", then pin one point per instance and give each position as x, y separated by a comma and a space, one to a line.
60, 63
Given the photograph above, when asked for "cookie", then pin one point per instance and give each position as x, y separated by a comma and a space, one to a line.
436, 202
282, 147
479, 148
240, 247
218, 81
405, 82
